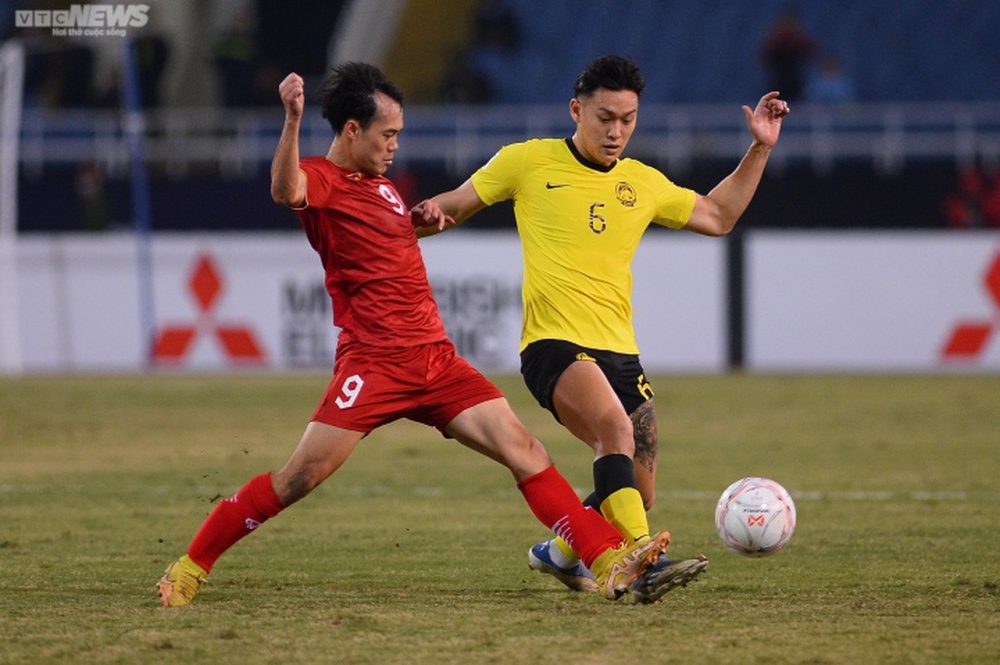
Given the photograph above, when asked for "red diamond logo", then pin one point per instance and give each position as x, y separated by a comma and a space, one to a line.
969, 339
992, 281
238, 343
205, 284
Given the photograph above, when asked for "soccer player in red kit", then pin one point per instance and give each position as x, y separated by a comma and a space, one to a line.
393, 357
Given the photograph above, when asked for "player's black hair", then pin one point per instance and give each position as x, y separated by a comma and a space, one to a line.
611, 72
349, 92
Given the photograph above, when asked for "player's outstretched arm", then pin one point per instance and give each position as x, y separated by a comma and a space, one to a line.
288, 181
716, 213
429, 219
446, 210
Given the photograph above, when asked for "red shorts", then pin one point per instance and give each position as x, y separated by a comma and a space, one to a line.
374, 385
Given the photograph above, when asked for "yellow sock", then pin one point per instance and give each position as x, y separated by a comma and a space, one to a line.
566, 550
625, 511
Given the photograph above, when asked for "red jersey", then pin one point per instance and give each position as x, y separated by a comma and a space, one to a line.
375, 273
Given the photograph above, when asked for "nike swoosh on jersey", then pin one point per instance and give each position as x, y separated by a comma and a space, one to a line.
550, 185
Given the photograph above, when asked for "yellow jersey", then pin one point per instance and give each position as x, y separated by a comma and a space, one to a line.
580, 224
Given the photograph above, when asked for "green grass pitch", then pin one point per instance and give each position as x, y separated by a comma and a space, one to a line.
415, 552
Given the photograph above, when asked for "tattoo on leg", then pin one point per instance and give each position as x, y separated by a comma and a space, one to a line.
644, 427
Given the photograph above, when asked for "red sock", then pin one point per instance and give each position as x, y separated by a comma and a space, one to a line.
557, 506
234, 518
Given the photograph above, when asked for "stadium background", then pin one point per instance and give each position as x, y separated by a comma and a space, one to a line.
847, 248
907, 140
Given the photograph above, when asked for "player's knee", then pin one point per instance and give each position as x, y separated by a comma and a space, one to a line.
291, 485
618, 438
529, 456
534, 450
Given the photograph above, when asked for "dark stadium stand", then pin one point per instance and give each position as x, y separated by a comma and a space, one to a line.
926, 76
918, 50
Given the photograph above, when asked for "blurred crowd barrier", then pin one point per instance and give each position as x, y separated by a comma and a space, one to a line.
239, 141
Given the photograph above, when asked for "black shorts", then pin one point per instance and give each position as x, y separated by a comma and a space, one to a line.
544, 361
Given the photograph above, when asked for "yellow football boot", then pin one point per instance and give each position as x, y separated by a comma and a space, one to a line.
181, 581
618, 569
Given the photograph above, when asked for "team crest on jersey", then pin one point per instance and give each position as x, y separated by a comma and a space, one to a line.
625, 194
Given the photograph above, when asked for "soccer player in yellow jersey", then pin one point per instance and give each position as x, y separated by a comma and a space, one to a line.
581, 210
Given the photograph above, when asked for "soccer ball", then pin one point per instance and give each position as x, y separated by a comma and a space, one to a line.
755, 517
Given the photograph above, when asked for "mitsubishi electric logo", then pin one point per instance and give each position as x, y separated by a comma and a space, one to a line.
85, 20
